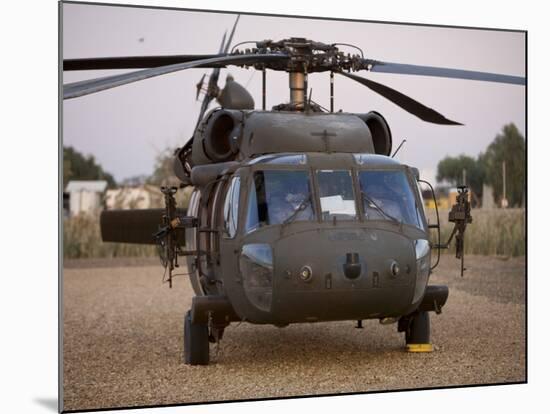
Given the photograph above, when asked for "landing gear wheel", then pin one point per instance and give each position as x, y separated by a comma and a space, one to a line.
196, 348
417, 335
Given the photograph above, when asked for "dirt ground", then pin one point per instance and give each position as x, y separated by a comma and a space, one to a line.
123, 341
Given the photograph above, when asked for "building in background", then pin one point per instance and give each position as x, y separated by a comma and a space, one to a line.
85, 197
143, 196
445, 195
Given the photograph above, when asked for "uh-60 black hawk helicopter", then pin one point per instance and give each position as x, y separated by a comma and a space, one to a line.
298, 213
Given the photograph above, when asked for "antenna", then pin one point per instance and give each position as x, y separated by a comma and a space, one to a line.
263, 87
399, 147
331, 91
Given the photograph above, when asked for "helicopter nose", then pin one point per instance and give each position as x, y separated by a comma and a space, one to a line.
352, 267
348, 273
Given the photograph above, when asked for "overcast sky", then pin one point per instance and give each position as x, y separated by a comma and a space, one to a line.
126, 127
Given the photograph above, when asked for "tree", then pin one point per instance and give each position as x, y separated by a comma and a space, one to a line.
163, 173
78, 167
452, 169
509, 147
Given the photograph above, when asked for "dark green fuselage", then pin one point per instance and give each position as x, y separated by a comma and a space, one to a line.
320, 244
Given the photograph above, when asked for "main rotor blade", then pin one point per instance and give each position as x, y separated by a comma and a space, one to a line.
213, 80
212, 83
224, 47
405, 69
231, 35
76, 89
403, 101
130, 62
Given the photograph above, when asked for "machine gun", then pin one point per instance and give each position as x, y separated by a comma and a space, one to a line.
461, 217
169, 237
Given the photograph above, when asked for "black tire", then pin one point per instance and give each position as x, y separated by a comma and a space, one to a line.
419, 329
196, 348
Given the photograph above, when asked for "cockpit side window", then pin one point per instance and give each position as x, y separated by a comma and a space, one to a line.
277, 196
421, 210
231, 207
336, 194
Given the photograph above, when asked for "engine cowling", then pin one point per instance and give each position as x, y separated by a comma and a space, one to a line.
216, 137
224, 135
380, 132
221, 133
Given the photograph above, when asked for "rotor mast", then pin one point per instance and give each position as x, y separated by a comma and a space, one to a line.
297, 84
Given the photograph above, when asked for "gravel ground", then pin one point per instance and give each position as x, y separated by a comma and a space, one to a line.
123, 341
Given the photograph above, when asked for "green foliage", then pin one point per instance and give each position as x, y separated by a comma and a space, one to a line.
78, 167
508, 146
452, 168
163, 173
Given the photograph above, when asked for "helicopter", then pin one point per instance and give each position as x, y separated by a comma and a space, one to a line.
298, 214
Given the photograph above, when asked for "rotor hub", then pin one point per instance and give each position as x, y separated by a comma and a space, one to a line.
305, 56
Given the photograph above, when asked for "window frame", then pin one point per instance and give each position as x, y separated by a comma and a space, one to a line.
228, 207
280, 167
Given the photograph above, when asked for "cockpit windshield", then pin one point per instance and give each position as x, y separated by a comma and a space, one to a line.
282, 196
387, 195
277, 196
336, 194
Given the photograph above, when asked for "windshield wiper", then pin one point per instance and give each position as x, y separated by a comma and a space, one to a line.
377, 207
301, 207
